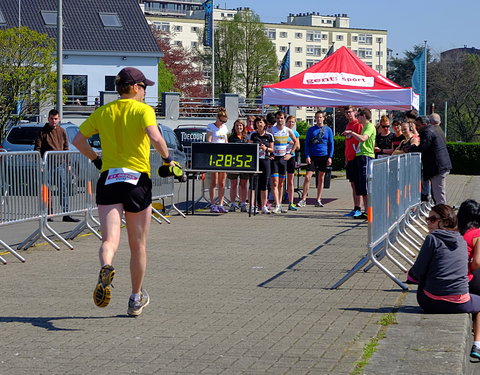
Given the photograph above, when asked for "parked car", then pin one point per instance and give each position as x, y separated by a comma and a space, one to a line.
173, 144
189, 133
22, 136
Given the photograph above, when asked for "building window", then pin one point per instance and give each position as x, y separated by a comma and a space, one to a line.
283, 49
365, 39
194, 29
324, 50
354, 38
162, 26
49, 17
309, 36
271, 34
364, 53
177, 43
379, 40
379, 53
379, 68
339, 37
313, 51
369, 64
298, 49
194, 44
178, 28
75, 87
110, 20
283, 34
229, 15
324, 36
311, 62
109, 83
314, 36
299, 35
298, 64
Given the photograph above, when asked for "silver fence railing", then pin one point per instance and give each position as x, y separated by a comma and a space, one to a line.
394, 214
20, 184
63, 183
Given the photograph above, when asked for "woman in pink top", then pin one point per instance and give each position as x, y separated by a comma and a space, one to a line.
468, 225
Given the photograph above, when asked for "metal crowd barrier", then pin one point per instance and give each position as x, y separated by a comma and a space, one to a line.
162, 187
394, 214
63, 183
20, 184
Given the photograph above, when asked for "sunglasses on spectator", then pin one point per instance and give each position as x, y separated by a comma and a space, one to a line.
143, 86
433, 219
385, 126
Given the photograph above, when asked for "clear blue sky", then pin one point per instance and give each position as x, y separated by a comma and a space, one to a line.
443, 24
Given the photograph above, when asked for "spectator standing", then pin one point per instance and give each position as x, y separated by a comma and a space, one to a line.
291, 163
469, 227
398, 138
351, 145
441, 272
435, 159
408, 141
250, 126
52, 137
384, 139
436, 120
217, 133
280, 158
365, 153
318, 156
265, 142
127, 127
238, 135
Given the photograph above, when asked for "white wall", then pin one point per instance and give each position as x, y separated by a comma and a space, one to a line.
97, 67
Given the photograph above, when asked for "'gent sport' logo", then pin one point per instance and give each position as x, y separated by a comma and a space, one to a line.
345, 79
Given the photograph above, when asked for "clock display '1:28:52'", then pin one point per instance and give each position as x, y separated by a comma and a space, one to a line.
229, 161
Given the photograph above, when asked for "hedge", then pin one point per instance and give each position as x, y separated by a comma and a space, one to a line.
465, 156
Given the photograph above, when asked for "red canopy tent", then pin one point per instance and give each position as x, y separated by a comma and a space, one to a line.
340, 79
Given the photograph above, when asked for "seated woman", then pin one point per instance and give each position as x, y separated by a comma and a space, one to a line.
441, 271
468, 217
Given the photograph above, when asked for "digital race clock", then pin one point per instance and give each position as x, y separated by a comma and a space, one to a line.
239, 157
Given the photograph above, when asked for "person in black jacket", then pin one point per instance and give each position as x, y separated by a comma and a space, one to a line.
435, 159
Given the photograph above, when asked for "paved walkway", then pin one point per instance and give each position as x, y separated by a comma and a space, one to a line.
229, 295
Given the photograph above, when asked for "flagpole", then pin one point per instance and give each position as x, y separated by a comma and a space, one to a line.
213, 56
425, 82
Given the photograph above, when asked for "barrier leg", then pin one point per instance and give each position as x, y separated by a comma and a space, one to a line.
399, 253
13, 252
361, 263
386, 271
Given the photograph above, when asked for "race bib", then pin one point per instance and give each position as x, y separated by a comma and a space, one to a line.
122, 175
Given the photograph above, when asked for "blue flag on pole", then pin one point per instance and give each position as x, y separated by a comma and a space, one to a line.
331, 50
208, 29
419, 79
285, 66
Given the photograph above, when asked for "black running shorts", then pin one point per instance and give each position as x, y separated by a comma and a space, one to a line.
135, 198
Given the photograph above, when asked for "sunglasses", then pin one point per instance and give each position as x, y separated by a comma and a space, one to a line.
433, 219
385, 127
143, 86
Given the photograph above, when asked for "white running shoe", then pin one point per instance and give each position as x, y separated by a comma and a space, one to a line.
265, 210
301, 203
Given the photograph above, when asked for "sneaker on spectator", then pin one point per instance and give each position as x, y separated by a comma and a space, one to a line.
233, 207
319, 203
277, 210
351, 213
101, 293
475, 352
265, 210
302, 203
214, 209
135, 307
291, 207
357, 214
362, 216
243, 207
222, 209
268, 205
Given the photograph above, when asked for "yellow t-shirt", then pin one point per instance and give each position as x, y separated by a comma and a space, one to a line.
121, 125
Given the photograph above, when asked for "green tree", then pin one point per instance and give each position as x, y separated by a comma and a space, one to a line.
245, 58
26, 76
456, 80
166, 79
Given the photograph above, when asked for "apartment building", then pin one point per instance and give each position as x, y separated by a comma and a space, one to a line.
309, 35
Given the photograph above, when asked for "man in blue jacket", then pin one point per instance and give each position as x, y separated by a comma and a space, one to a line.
318, 154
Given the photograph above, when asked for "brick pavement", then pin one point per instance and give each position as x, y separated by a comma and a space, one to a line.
230, 295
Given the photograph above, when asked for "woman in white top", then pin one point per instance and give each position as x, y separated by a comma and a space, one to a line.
217, 133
